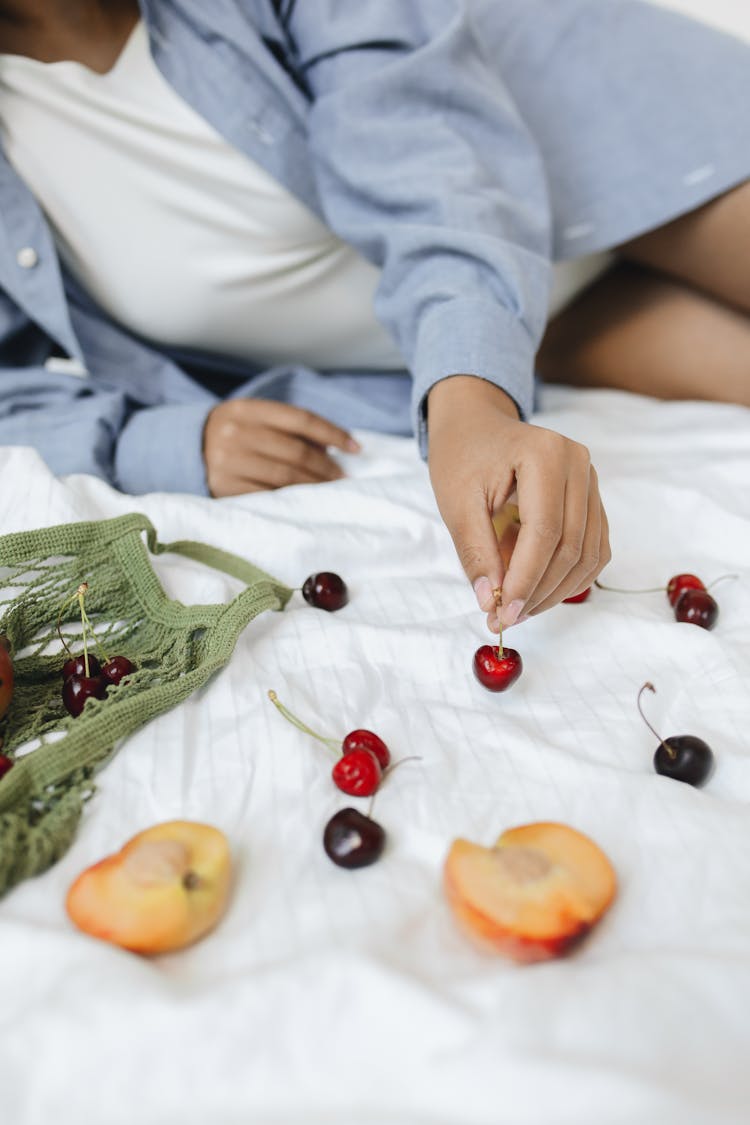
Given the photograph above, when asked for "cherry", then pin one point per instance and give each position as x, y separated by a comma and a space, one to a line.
357, 773
77, 689
116, 669
683, 757
366, 740
681, 582
497, 668
363, 753
352, 839
576, 598
325, 590
76, 666
6, 764
697, 607
6, 676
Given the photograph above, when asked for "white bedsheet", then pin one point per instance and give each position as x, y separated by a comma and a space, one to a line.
329, 997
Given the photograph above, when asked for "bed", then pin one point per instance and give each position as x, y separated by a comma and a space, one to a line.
329, 997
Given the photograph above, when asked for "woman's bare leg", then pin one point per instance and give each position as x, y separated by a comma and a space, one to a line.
638, 330
708, 248
672, 319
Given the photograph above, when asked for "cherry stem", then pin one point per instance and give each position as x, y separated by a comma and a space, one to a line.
63, 607
650, 687
620, 590
87, 625
721, 578
400, 762
331, 743
497, 594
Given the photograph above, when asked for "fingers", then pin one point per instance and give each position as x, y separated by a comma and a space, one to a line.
477, 547
295, 420
564, 538
251, 445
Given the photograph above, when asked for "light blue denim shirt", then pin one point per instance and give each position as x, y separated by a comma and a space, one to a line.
382, 117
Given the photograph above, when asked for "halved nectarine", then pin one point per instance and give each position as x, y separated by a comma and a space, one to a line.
163, 890
534, 895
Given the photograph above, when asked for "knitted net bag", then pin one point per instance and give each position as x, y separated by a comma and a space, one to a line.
174, 647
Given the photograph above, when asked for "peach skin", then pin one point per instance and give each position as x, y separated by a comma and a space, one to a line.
165, 889
534, 895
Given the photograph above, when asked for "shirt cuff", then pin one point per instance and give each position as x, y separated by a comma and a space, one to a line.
470, 337
161, 450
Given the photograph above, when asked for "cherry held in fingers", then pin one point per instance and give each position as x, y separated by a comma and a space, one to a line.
497, 668
352, 839
325, 590
683, 757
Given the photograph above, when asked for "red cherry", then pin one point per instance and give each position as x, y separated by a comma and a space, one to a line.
325, 590
6, 764
576, 598
366, 740
116, 669
357, 773
697, 607
497, 669
77, 689
682, 582
76, 666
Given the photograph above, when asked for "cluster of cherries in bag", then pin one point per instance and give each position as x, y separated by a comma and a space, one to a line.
85, 676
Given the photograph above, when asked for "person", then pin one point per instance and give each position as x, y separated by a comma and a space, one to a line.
232, 233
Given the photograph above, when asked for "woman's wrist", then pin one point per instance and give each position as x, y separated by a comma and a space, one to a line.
457, 391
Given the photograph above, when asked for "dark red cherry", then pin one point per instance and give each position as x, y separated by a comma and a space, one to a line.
497, 669
357, 773
325, 590
367, 740
680, 583
576, 598
697, 607
76, 666
6, 764
116, 669
77, 689
352, 839
684, 757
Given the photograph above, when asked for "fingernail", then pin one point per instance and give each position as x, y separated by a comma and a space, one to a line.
510, 613
483, 591
493, 623
352, 446
520, 621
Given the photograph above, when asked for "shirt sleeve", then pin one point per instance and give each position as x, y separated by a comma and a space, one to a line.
424, 164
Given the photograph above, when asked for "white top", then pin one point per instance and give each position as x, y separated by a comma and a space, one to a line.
177, 235
180, 237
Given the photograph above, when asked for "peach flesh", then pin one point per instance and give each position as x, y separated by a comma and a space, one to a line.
165, 889
534, 895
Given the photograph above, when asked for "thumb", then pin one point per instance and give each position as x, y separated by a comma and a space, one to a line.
478, 549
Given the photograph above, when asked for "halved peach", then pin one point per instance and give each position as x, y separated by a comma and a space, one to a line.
534, 895
163, 890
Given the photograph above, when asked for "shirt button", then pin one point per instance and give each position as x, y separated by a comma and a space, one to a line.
27, 258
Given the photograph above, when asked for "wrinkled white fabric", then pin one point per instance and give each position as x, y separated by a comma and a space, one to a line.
328, 997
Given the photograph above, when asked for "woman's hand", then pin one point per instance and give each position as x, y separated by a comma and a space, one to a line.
250, 445
479, 455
